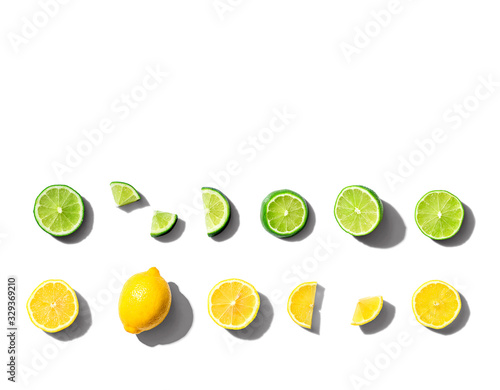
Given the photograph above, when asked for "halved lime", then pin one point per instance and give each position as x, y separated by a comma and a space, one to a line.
217, 210
162, 223
358, 210
124, 193
439, 214
59, 210
284, 213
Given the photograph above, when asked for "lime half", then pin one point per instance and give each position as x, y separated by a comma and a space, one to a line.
284, 213
358, 210
59, 210
217, 210
439, 215
162, 223
124, 193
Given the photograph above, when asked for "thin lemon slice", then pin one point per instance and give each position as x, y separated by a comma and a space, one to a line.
233, 303
53, 306
301, 304
367, 310
436, 304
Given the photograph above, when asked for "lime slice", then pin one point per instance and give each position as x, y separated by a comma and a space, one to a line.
439, 215
162, 223
358, 210
59, 210
124, 193
284, 213
217, 210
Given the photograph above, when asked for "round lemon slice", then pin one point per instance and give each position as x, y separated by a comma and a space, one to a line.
436, 304
53, 306
233, 303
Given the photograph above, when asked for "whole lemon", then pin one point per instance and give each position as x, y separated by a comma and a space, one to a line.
144, 301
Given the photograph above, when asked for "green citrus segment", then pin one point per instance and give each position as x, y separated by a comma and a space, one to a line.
162, 223
59, 210
439, 215
358, 210
284, 213
217, 210
124, 193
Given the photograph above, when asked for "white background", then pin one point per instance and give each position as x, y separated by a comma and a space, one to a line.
227, 74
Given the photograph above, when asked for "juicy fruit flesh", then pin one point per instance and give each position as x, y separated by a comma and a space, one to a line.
234, 304
301, 304
144, 301
367, 310
161, 222
285, 213
357, 211
436, 304
439, 214
123, 194
52, 306
215, 210
59, 210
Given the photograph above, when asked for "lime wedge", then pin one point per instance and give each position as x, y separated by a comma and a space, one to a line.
358, 210
439, 215
162, 223
59, 210
284, 213
124, 193
217, 210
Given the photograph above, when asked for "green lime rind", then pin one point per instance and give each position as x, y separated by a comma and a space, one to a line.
124, 193
217, 210
282, 208
439, 226
162, 223
50, 219
347, 221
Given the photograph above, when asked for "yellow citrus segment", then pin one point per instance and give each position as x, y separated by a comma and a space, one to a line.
301, 304
436, 304
233, 303
367, 310
53, 306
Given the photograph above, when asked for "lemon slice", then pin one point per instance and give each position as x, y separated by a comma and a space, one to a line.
367, 310
301, 304
53, 306
233, 303
436, 304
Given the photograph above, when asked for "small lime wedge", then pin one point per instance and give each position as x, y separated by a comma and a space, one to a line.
284, 213
124, 193
217, 210
358, 210
162, 223
439, 215
59, 210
